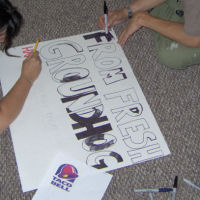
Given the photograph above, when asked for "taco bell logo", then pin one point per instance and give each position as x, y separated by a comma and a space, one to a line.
65, 177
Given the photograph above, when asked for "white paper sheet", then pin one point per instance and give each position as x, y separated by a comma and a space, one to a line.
86, 102
68, 178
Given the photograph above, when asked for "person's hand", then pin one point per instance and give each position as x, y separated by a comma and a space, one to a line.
114, 17
31, 67
134, 24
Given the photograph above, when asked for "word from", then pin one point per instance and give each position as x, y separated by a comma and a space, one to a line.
136, 132
67, 66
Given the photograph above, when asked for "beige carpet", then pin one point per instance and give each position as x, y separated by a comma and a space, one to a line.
174, 97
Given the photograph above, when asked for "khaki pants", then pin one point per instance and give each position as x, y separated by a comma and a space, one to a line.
171, 53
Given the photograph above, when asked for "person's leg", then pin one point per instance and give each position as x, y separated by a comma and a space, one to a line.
171, 53
175, 55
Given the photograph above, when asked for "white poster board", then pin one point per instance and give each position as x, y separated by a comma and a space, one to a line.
86, 103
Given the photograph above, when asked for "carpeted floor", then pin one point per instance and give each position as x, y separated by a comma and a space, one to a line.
174, 97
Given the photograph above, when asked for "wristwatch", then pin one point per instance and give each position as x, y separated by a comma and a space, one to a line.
130, 13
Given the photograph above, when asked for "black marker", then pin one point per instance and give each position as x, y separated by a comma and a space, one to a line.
106, 17
174, 188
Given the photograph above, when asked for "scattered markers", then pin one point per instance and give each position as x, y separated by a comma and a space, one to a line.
150, 191
175, 186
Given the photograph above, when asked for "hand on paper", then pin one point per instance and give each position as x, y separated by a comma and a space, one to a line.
118, 16
114, 17
31, 67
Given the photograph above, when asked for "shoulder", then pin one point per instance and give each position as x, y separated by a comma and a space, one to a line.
192, 17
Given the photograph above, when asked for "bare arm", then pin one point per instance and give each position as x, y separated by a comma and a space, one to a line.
172, 30
144, 5
12, 103
119, 16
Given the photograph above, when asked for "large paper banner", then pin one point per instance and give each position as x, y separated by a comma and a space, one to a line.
86, 103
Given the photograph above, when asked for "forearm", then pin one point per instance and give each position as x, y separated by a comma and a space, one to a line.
12, 103
144, 5
172, 30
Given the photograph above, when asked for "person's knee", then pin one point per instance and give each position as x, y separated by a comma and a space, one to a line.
173, 58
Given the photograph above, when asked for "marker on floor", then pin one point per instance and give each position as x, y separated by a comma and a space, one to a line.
192, 184
151, 196
154, 190
175, 188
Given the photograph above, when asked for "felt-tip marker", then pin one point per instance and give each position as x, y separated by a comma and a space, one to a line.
191, 184
174, 188
106, 17
151, 196
155, 190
